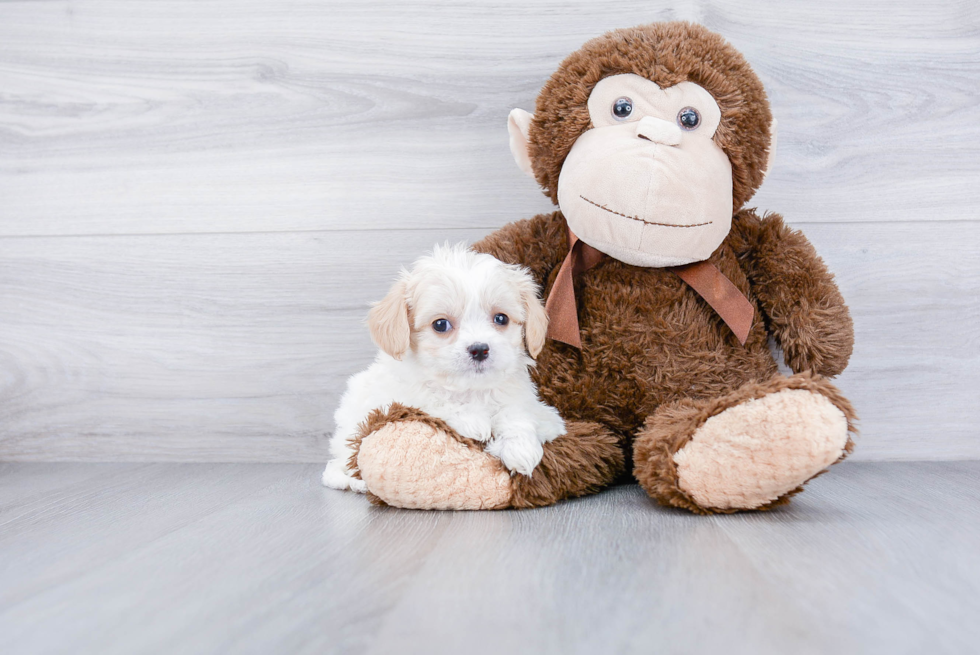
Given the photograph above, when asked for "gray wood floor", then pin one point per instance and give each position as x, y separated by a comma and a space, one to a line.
218, 558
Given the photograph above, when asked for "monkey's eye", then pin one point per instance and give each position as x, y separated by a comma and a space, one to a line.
441, 325
622, 108
501, 319
689, 118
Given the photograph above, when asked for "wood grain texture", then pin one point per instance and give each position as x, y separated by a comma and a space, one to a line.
200, 199
220, 347
236, 347
227, 116
875, 557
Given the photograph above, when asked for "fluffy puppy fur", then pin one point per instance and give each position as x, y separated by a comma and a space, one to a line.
452, 334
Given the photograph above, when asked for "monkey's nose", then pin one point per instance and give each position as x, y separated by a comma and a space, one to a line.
658, 131
479, 351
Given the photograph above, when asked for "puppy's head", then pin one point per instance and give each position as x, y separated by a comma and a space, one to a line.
461, 314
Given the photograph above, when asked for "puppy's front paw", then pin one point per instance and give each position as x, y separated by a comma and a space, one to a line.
550, 425
471, 426
519, 455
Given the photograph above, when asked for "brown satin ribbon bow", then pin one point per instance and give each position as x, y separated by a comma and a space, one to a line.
705, 278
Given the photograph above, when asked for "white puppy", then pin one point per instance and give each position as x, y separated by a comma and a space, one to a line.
452, 334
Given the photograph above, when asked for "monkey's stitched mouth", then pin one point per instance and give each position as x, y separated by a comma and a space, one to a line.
637, 218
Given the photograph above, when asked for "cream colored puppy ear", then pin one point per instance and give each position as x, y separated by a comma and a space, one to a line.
388, 322
771, 156
518, 126
536, 319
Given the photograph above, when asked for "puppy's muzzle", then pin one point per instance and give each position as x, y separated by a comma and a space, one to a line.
479, 351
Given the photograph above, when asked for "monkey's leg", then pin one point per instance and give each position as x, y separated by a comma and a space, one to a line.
412, 460
749, 450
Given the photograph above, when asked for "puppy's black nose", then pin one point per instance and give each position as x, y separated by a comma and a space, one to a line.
479, 351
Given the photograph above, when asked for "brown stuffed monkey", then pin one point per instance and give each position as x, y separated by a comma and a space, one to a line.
662, 293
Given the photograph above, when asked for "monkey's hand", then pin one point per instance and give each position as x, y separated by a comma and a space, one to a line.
806, 312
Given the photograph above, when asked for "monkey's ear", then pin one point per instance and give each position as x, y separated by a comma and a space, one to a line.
518, 125
389, 324
771, 157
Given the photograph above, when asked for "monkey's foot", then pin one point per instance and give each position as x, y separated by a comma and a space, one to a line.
752, 449
409, 459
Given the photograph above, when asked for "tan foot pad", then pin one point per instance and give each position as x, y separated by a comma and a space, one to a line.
755, 452
414, 465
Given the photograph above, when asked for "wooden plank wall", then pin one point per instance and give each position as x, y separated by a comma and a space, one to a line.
199, 199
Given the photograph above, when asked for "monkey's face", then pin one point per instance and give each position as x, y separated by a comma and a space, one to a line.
647, 184
649, 138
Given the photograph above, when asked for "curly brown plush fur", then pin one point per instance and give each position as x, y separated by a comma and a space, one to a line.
649, 339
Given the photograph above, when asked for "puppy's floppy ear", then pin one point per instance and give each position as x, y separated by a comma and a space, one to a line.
388, 322
536, 321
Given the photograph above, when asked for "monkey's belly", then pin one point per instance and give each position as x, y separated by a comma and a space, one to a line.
647, 339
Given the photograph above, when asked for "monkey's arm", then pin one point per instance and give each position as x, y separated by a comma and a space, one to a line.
804, 309
539, 243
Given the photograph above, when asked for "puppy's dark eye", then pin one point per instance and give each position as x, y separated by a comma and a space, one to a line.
441, 325
622, 108
501, 319
689, 118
